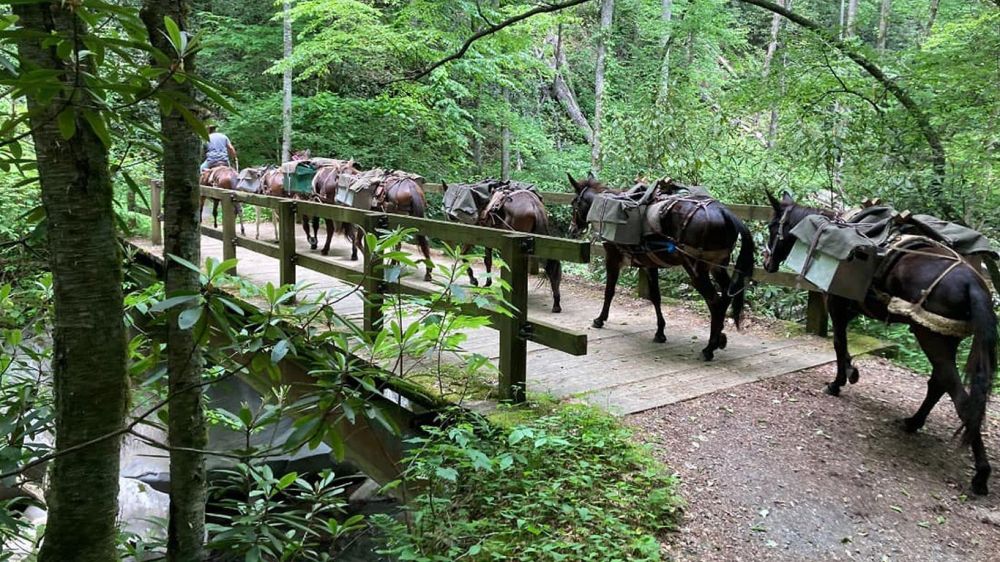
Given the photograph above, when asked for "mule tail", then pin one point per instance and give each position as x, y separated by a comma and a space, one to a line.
744, 266
981, 367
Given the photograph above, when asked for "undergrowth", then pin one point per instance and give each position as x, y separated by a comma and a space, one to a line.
569, 485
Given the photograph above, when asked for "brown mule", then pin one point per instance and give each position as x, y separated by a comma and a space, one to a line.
950, 289
325, 188
700, 235
402, 195
222, 177
519, 210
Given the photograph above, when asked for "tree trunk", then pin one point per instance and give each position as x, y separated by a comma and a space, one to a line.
607, 13
286, 84
772, 48
666, 13
931, 16
564, 93
186, 421
89, 373
938, 157
883, 24
505, 142
850, 24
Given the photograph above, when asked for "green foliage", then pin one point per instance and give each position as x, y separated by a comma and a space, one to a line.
566, 486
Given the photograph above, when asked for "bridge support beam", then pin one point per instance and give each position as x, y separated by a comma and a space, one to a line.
286, 242
513, 330
229, 230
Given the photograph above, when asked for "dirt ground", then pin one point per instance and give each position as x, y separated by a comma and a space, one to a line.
778, 470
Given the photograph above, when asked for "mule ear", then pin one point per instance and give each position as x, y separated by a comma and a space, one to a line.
590, 175
444, 187
786, 198
573, 182
775, 204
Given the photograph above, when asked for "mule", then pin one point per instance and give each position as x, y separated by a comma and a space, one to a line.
403, 195
950, 289
520, 210
222, 177
325, 189
700, 235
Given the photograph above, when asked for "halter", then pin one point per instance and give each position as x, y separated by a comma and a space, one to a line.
579, 197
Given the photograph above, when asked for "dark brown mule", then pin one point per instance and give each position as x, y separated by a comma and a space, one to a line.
402, 195
951, 289
520, 211
222, 177
700, 235
325, 188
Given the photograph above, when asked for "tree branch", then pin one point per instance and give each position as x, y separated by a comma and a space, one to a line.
486, 32
938, 158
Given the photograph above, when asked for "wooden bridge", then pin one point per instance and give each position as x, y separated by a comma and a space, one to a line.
617, 367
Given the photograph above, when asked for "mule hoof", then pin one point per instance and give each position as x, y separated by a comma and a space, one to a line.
659, 338
556, 308
474, 281
979, 486
707, 354
911, 425
313, 246
428, 277
832, 389
598, 323
354, 257
489, 282
723, 341
852, 375
325, 251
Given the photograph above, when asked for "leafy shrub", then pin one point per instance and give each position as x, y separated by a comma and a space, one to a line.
567, 486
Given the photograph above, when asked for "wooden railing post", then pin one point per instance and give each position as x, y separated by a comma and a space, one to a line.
513, 343
286, 242
156, 230
229, 229
816, 316
374, 279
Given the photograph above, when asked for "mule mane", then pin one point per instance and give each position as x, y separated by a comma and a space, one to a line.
796, 212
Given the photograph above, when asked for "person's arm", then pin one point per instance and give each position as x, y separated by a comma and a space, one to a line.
231, 150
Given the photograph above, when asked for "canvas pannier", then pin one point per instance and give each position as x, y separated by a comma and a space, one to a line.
359, 192
834, 257
298, 177
462, 202
620, 218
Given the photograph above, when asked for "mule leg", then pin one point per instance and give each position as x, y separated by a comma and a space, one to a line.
488, 263
472, 275
842, 311
201, 210
329, 236
935, 390
653, 277
215, 213
613, 265
309, 238
425, 249
315, 230
702, 281
357, 238
239, 213
256, 215
553, 270
274, 221
942, 351
723, 280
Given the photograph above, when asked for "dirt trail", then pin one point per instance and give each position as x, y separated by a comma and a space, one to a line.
778, 470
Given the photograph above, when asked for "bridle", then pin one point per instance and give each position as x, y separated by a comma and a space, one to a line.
578, 200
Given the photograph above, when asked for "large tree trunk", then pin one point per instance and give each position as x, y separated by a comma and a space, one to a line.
851, 21
883, 24
563, 92
607, 13
286, 84
187, 431
89, 374
666, 13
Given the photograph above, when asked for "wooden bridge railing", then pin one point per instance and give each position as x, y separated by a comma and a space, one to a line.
515, 249
816, 315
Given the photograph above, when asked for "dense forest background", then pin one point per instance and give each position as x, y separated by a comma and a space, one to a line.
717, 92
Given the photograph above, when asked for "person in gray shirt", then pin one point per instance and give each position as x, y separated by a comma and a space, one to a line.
218, 150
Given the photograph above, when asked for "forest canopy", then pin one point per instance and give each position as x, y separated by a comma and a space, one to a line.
722, 93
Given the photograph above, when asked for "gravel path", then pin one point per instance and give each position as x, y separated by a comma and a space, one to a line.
778, 470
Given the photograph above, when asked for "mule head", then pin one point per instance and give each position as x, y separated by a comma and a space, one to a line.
585, 190
786, 214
